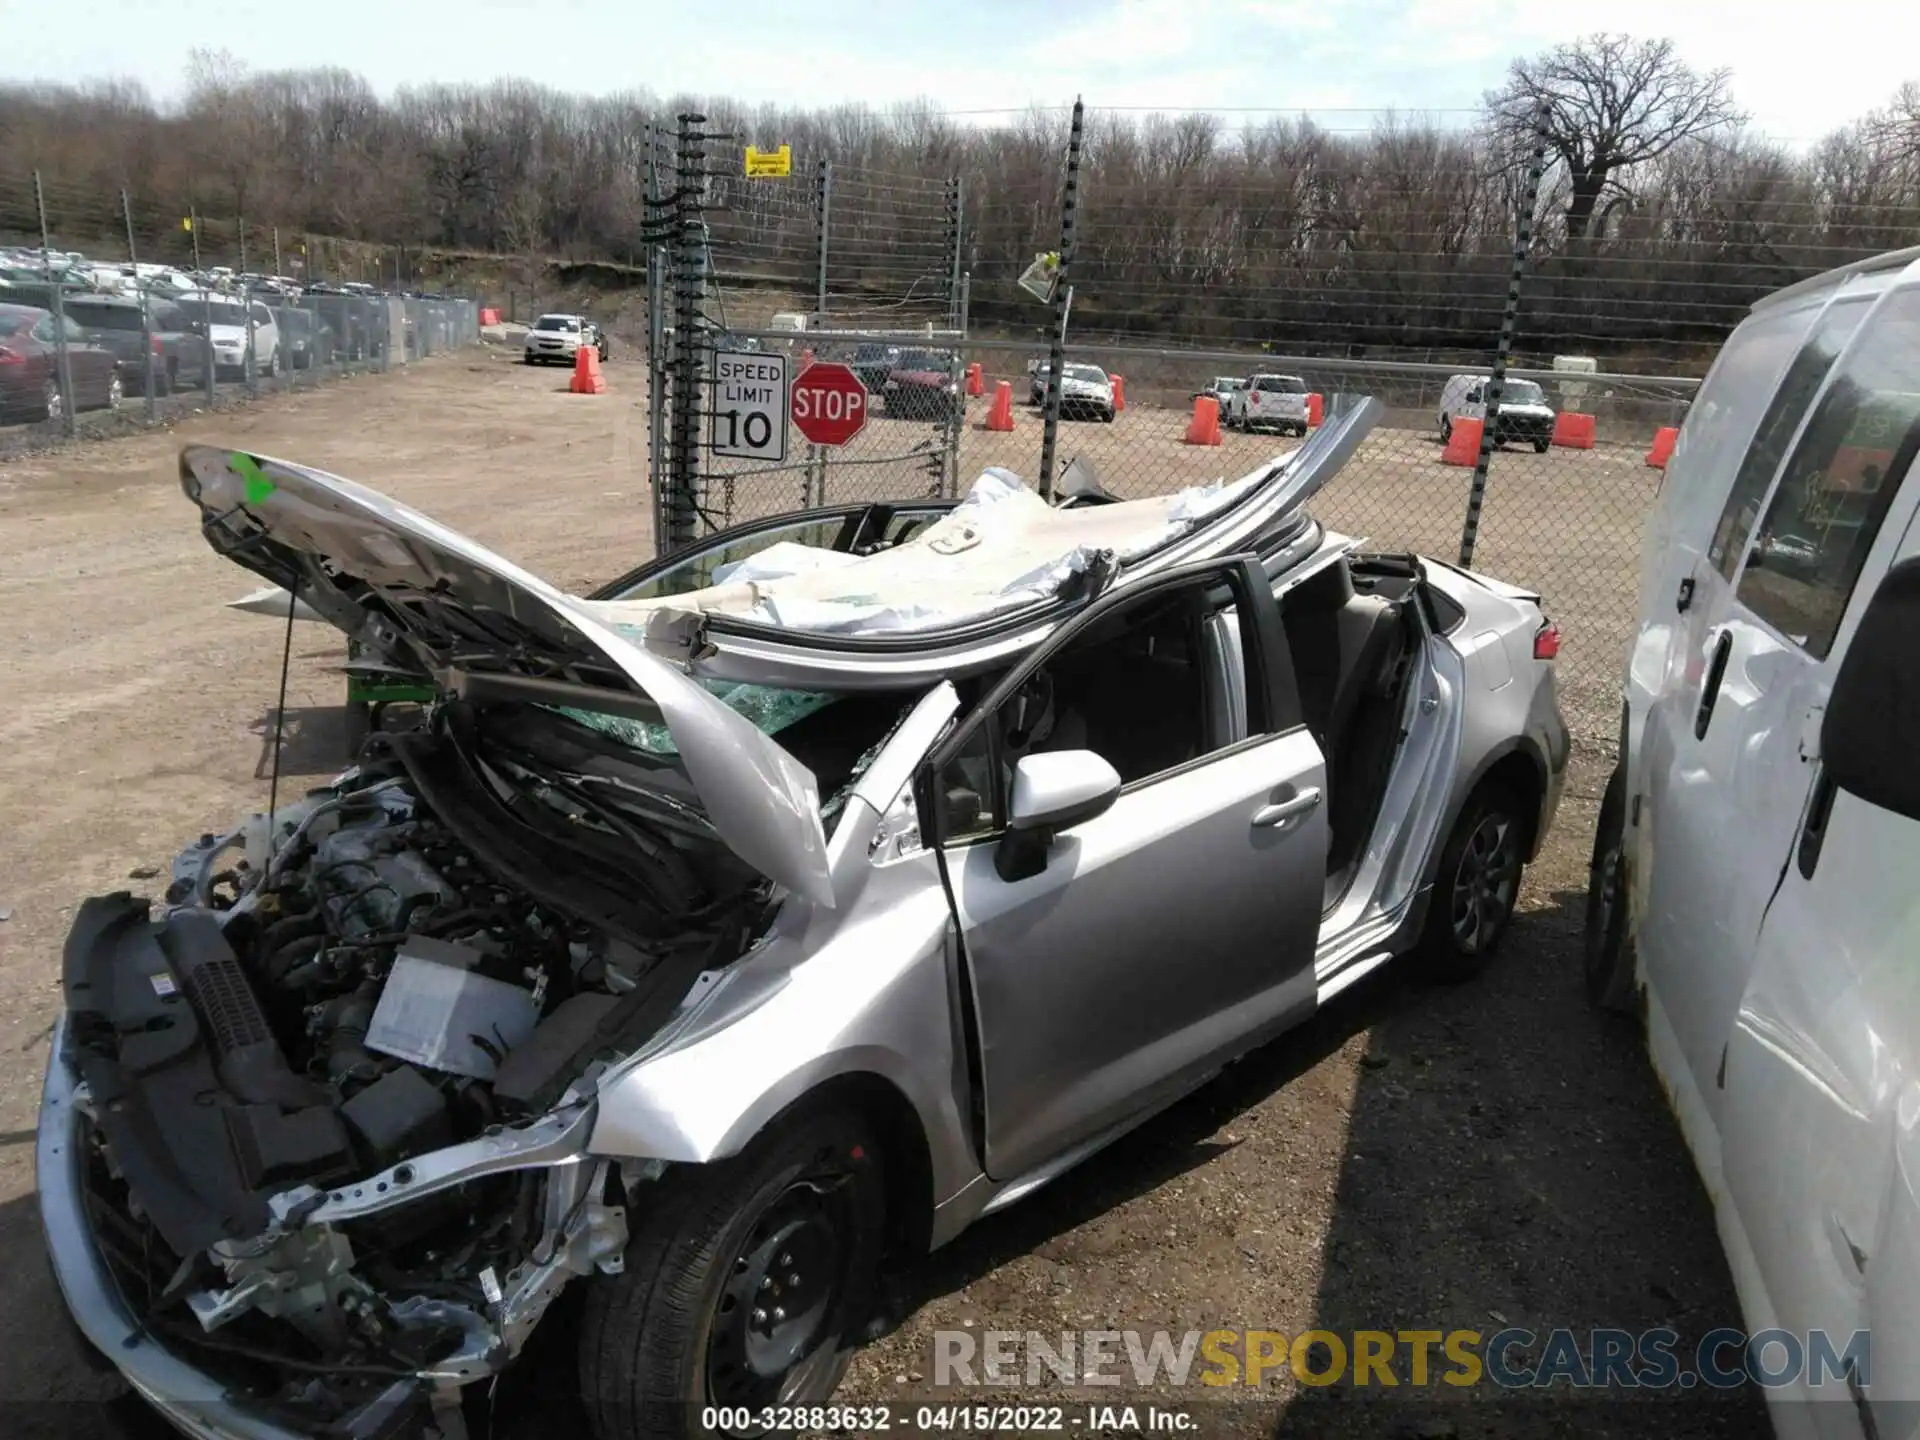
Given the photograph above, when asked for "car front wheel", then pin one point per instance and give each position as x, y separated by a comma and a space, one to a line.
1477, 884
745, 1285
1609, 958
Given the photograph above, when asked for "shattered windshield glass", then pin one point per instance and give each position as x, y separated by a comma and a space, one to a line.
770, 709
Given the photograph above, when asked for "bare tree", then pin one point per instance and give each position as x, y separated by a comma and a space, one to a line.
1611, 102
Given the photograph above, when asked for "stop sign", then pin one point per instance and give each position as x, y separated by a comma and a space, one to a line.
829, 403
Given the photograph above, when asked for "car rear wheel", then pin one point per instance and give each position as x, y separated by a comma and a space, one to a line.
116, 391
1446, 429
1477, 884
1540, 446
1609, 958
745, 1284
52, 405
166, 381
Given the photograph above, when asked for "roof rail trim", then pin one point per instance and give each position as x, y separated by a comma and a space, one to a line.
1892, 260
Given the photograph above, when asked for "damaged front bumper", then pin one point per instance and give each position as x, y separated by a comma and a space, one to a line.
580, 1234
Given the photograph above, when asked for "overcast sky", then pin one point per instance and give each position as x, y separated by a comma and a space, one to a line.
1800, 71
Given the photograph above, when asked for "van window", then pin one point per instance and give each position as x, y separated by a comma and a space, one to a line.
1807, 553
1804, 378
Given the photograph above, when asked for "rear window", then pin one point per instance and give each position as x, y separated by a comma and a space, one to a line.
1280, 385
215, 312
103, 317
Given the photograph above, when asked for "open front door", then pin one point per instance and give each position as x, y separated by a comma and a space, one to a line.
1132, 951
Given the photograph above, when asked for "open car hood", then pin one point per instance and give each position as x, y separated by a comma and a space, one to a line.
486, 629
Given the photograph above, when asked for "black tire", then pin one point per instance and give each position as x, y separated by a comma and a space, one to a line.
1540, 446
1446, 429
678, 1331
1609, 957
526, 359
167, 380
1476, 885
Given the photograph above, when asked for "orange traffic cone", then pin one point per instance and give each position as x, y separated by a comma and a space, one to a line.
1119, 392
587, 379
1204, 428
1000, 413
975, 384
1316, 409
1463, 443
1662, 450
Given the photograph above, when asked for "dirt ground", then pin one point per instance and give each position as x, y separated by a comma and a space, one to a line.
1417, 1157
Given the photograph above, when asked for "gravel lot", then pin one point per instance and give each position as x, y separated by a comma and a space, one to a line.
1414, 1158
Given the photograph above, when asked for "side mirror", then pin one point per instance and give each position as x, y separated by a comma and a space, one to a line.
1053, 791
1872, 725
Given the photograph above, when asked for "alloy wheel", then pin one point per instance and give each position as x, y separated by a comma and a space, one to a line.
1485, 884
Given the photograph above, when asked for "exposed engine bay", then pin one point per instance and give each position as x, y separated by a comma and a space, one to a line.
402, 987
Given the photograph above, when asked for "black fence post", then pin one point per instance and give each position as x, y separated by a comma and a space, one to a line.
688, 282
1057, 339
1497, 377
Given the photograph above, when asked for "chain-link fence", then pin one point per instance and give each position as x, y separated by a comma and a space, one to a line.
1186, 287
116, 310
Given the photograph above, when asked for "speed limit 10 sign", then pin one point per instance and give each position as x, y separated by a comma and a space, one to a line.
749, 408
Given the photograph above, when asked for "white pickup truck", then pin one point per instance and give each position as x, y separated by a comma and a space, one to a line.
1270, 402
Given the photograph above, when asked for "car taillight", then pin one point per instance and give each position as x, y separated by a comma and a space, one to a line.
1546, 641
11, 357
158, 347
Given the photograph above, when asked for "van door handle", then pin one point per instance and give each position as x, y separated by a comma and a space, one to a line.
1283, 812
1710, 692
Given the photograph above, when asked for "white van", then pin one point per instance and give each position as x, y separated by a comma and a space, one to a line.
1525, 414
1756, 875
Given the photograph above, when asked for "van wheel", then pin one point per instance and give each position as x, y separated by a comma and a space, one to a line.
1540, 446
1446, 429
746, 1283
1476, 885
1609, 958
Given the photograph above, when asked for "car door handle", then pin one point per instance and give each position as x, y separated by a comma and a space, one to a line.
1282, 812
1710, 692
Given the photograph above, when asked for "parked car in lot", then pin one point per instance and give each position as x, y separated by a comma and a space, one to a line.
873, 363
1221, 390
1270, 402
922, 386
555, 338
1525, 413
307, 339
812, 891
1753, 871
230, 324
1086, 392
29, 367
133, 331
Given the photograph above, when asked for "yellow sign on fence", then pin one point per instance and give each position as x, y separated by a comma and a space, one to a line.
769, 164
186, 222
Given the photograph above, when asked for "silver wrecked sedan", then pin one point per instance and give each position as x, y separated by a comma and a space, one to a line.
768, 917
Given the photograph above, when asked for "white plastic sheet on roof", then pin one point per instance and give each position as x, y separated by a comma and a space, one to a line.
999, 549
